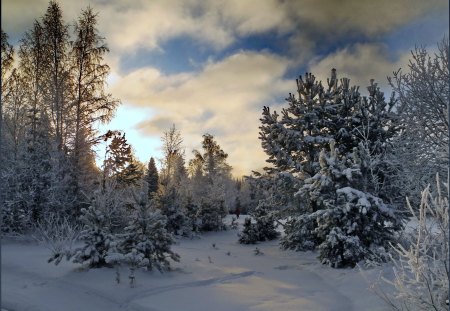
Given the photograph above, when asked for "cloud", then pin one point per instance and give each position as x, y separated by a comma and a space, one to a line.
367, 17
132, 24
360, 63
225, 99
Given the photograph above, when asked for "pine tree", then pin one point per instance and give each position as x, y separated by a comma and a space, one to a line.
131, 174
263, 229
170, 205
117, 155
311, 147
349, 225
265, 223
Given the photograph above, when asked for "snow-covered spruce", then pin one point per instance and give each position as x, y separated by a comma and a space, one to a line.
102, 221
249, 234
169, 203
146, 242
263, 229
211, 215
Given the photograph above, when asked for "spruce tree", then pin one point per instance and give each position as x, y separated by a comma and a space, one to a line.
103, 221
146, 242
152, 178
249, 234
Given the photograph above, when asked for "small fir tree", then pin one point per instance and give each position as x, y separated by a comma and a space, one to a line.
146, 242
249, 234
102, 222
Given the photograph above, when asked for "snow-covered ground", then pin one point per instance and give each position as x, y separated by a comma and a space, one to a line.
226, 277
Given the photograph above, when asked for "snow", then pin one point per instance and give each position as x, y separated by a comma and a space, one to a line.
226, 276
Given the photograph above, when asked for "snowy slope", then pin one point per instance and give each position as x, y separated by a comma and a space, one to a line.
228, 276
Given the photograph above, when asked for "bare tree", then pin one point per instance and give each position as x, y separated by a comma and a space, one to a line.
7, 54
423, 93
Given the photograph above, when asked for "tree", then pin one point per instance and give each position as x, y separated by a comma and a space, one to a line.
49, 104
57, 75
249, 234
32, 68
15, 112
7, 58
423, 94
171, 198
211, 182
152, 178
117, 154
146, 242
172, 149
91, 104
102, 221
132, 174
311, 147
348, 225
262, 230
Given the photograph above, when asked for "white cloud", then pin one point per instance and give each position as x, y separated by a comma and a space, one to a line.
224, 99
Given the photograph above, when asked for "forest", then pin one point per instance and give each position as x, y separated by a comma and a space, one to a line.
348, 170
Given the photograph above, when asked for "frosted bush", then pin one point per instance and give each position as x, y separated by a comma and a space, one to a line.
422, 263
58, 234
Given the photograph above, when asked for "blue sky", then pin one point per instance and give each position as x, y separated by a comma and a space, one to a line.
211, 65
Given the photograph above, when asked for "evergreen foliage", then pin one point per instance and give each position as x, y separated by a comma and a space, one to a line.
263, 229
102, 221
146, 241
152, 178
328, 140
249, 234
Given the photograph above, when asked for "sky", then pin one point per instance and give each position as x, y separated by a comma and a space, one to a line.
209, 66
